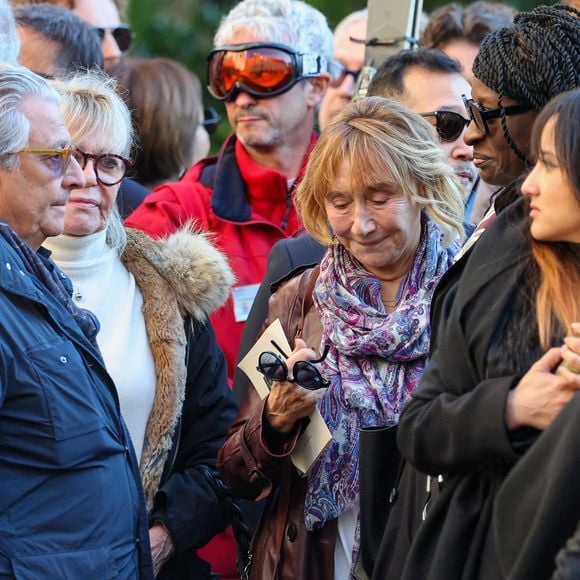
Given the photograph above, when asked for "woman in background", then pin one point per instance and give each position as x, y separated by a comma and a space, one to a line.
166, 107
538, 506
152, 299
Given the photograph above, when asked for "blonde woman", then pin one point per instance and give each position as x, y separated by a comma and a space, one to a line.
152, 299
378, 191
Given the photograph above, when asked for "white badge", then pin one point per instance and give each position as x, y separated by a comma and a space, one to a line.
243, 300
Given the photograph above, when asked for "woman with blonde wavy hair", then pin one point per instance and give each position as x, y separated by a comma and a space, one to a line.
152, 299
378, 191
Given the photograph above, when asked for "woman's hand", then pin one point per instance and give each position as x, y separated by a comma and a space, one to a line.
542, 394
161, 546
288, 402
571, 351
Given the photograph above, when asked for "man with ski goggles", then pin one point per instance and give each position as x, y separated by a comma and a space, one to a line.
270, 67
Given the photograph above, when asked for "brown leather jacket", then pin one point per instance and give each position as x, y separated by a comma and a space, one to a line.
255, 463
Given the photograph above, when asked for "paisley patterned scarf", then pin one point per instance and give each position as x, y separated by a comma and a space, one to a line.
376, 359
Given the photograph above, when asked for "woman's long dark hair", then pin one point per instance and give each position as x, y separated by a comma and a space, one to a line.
558, 264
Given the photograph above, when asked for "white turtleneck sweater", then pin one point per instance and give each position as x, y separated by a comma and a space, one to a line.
103, 285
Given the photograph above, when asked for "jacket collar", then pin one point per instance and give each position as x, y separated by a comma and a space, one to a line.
238, 179
181, 276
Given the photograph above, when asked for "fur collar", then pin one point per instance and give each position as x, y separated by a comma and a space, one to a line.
181, 276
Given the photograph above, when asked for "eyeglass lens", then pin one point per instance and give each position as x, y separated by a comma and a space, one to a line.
344, 72
211, 119
122, 35
450, 125
109, 169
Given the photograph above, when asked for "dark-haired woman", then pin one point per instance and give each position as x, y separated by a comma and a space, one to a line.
486, 340
538, 506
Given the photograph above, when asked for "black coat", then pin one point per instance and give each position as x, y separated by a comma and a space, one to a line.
186, 500
538, 506
455, 421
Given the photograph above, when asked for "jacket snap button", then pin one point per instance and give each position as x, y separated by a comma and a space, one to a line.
63, 359
8, 266
292, 532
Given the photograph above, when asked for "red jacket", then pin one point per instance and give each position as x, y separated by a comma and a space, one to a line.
246, 208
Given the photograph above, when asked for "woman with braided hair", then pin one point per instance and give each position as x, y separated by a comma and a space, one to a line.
488, 390
517, 71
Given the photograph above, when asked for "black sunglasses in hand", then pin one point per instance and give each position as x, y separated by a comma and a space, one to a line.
274, 368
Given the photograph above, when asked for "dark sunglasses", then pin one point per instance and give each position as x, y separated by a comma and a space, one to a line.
449, 124
338, 72
110, 168
261, 69
122, 34
211, 120
305, 373
480, 115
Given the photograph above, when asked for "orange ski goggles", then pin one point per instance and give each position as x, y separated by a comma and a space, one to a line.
261, 69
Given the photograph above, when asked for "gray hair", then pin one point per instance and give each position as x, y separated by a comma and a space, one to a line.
79, 44
290, 22
16, 85
9, 43
91, 106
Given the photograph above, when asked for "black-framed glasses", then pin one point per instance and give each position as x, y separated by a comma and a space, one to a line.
480, 115
60, 157
211, 120
338, 72
261, 69
109, 167
449, 124
274, 368
122, 34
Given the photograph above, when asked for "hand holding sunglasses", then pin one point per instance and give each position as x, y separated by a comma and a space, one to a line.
305, 374
288, 405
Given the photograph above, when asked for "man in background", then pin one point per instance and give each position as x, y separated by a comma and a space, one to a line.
458, 30
104, 16
54, 41
349, 56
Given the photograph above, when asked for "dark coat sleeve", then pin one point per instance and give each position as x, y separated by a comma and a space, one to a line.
186, 501
455, 420
538, 506
441, 431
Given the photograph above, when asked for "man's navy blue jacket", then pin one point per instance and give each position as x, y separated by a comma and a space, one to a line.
70, 495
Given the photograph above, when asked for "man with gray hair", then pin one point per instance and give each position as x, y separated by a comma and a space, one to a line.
270, 66
9, 45
70, 499
55, 42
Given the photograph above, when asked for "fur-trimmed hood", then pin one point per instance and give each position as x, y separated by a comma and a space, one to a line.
180, 276
198, 273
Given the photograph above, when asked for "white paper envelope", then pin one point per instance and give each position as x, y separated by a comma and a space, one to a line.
316, 436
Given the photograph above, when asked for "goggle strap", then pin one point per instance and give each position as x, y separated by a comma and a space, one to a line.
312, 65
